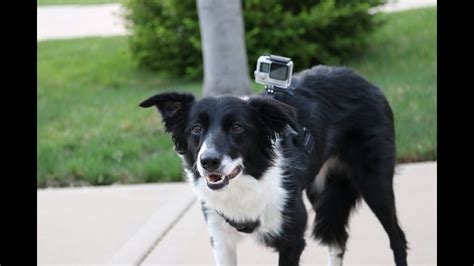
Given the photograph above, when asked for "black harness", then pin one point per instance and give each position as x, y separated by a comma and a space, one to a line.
308, 140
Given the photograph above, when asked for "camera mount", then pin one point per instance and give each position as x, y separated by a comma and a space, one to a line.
270, 89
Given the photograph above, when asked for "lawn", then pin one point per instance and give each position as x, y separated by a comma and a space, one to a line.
75, 2
91, 130
402, 61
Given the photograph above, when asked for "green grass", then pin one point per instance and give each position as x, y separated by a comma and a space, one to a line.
402, 61
91, 130
75, 2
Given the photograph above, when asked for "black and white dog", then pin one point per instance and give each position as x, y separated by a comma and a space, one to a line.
248, 164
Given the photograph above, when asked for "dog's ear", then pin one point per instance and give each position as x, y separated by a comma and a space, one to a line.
174, 108
274, 114
171, 105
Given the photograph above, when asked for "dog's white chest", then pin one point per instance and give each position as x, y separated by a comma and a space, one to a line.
249, 199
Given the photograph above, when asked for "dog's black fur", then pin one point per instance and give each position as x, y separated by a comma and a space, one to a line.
348, 117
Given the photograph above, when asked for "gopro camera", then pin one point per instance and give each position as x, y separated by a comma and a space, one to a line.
274, 70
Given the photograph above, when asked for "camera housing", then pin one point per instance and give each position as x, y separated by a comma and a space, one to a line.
274, 70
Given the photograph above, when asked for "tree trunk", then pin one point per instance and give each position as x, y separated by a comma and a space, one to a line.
223, 47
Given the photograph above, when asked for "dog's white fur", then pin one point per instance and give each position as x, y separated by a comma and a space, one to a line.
243, 199
333, 163
334, 259
224, 239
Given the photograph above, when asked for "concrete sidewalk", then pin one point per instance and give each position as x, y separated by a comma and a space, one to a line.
95, 225
75, 21
161, 224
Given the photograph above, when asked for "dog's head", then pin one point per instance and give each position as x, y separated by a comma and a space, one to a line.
221, 138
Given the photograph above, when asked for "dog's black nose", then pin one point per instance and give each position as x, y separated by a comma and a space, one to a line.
210, 161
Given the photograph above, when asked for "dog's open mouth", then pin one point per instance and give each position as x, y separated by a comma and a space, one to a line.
215, 181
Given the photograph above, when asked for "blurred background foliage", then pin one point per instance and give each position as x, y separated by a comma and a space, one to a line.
166, 35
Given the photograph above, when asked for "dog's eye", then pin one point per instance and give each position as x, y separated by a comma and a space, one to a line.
196, 129
236, 127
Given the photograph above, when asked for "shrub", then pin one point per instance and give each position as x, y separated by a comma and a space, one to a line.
166, 32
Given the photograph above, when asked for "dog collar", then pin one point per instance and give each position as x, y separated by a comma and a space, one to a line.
244, 227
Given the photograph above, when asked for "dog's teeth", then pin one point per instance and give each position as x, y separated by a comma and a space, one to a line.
220, 180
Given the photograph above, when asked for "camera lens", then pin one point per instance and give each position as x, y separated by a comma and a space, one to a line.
278, 71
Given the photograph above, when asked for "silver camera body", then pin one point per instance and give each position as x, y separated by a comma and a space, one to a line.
274, 70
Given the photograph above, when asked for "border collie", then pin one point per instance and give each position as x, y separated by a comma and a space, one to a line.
248, 161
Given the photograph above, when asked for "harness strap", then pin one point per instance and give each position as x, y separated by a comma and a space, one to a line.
307, 137
244, 227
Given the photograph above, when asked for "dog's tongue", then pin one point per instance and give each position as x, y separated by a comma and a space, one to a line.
213, 178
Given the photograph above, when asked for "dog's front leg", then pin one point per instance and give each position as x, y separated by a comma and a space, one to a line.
224, 238
290, 253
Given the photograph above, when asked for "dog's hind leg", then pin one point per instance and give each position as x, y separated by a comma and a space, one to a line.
372, 164
224, 238
377, 191
333, 204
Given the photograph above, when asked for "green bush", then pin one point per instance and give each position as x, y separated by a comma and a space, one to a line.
166, 35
